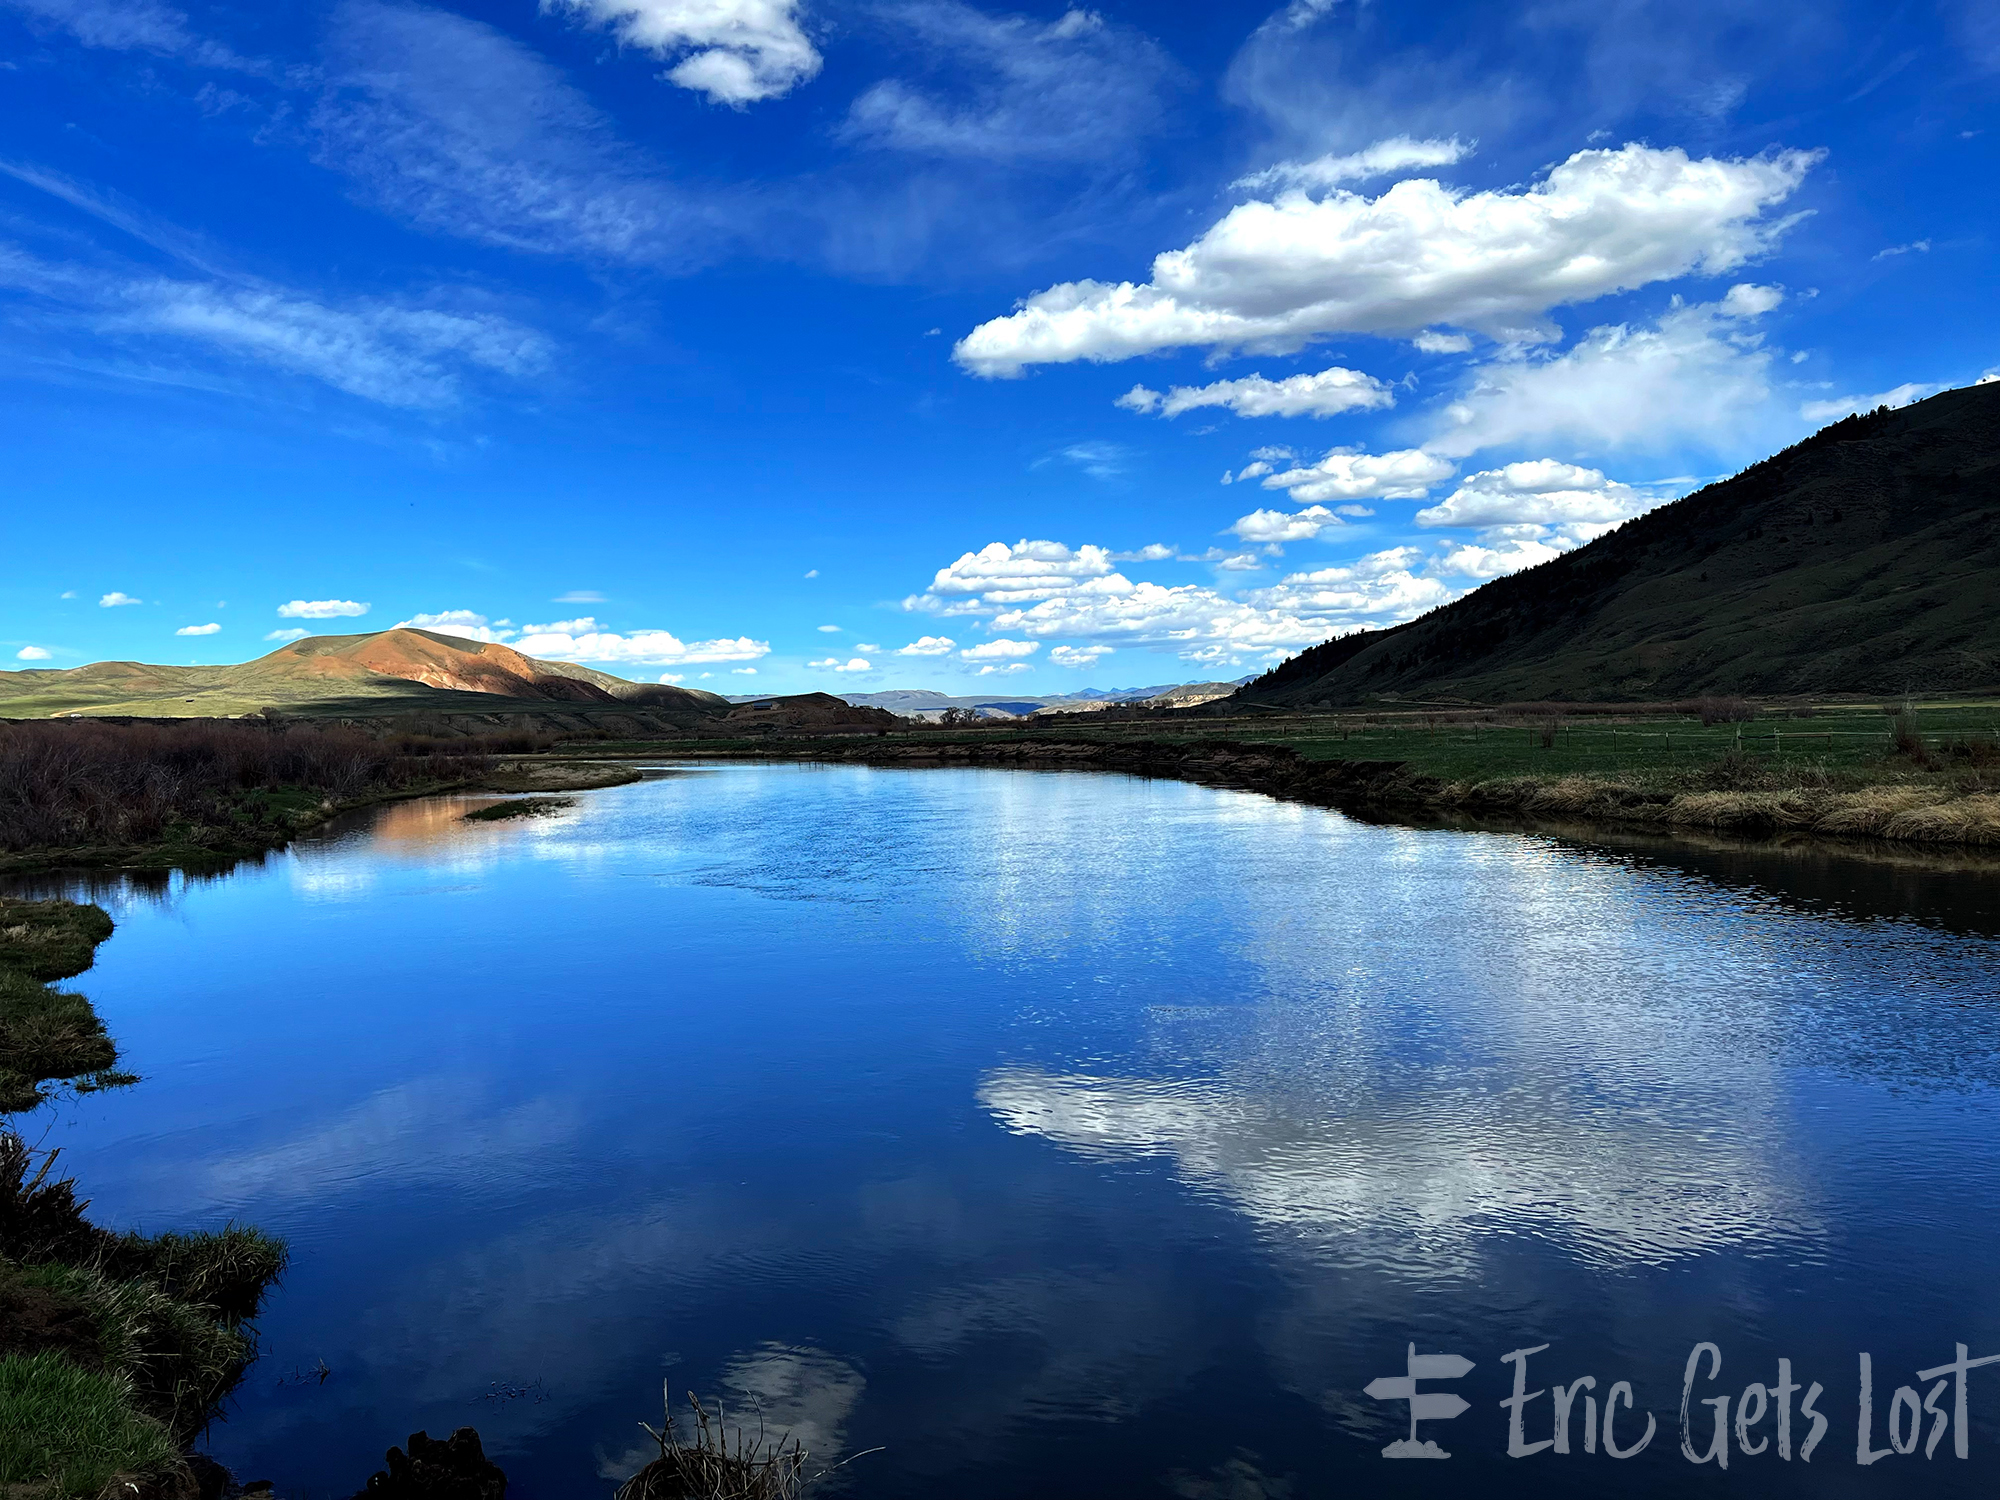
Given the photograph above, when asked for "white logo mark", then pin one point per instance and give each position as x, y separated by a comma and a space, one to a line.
1425, 1406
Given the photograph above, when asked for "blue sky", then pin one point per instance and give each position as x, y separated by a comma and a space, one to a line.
772, 345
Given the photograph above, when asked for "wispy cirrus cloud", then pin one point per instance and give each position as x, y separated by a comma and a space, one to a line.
1383, 159
135, 25
457, 127
1079, 88
1697, 374
394, 355
1902, 395
400, 354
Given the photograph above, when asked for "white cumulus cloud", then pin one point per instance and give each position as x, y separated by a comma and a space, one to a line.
1276, 275
321, 609
209, 629
584, 639
115, 599
929, 645
1542, 491
1406, 474
835, 664
31, 653
734, 51
999, 650
1433, 342
1003, 574
1381, 588
1047, 591
1016, 666
465, 623
1527, 513
294, 634
1325, 394
1079, 656
1493, 557
1276, 527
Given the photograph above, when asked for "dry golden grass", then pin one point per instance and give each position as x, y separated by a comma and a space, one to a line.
1912, 814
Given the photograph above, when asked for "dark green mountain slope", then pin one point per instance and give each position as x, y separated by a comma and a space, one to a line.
1865, 559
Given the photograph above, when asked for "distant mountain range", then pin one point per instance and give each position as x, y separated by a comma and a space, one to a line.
382, 671
407, 671
1865, 559
914, 703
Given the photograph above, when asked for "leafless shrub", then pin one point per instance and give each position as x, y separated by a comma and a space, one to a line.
1967, 751
1719, 710
78, 784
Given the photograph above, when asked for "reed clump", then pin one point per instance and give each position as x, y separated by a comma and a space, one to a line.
710, 1465
703, 1458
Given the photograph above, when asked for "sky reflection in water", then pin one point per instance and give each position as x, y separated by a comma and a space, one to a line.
1071, 1135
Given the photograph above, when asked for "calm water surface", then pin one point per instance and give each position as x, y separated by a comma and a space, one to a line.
1068, 1135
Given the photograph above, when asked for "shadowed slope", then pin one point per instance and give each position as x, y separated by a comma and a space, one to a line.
1865, 559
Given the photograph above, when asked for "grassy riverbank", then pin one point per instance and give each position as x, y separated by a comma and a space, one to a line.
115, 1349
1920, 772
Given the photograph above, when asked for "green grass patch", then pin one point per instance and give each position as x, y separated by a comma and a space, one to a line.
46, 1034
115, 1349
67, 1432
520, 807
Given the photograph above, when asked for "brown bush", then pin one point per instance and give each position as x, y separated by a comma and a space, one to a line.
1967, 751
77, 783
1720, 710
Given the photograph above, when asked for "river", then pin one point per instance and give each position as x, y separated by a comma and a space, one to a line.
1067, 1135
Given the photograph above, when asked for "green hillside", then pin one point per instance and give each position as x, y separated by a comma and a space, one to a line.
1865, 559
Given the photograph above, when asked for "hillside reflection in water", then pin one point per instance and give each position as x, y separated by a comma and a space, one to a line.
1071, 1135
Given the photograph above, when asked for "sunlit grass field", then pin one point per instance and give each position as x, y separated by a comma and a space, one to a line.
1848, 743
1858, 740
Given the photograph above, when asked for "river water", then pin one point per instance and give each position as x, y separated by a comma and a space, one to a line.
1069, 1135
